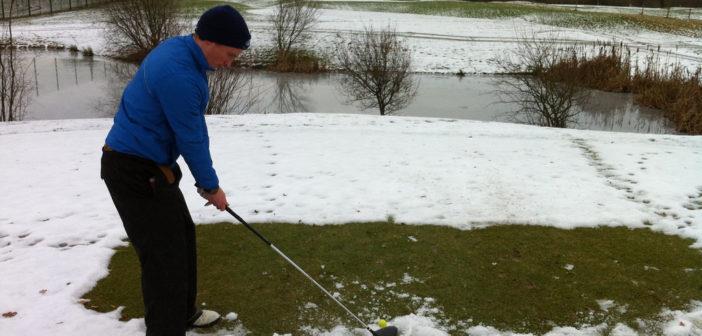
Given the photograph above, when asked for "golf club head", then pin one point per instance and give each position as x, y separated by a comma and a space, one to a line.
387, 331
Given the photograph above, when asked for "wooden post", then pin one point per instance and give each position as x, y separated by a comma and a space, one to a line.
51, 7
36, 79
57, 80
29, 7
70, 5
2, 4
75, 69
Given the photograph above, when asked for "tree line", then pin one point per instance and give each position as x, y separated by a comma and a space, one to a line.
629, 3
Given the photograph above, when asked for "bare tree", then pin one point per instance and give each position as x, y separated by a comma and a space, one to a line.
135, 27
14, 86
377, 71
231, 91
292, 21
544, 96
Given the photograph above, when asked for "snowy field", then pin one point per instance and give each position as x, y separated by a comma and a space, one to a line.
440, 44
58, 226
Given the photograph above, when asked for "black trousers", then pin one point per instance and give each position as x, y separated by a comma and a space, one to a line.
160, 229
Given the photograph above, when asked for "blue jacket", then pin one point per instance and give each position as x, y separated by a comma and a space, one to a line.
162, 112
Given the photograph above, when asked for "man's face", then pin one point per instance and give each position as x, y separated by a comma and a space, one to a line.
220, 56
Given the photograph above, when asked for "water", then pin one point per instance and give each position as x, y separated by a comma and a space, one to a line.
91, 88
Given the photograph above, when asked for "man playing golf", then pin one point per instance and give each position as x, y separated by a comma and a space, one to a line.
161, 117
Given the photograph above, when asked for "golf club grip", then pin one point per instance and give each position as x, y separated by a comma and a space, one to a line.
249, 226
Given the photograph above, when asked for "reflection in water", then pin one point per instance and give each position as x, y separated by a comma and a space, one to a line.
542, 101
616, 111
120, 74
77, 87
289, 95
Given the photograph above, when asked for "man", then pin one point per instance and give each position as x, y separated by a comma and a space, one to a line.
161, 117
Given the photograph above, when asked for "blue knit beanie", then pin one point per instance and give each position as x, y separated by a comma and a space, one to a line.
224, 25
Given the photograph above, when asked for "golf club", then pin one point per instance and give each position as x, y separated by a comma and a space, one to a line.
387, 331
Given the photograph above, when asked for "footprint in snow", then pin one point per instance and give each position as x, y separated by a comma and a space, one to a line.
66, 246
35, 241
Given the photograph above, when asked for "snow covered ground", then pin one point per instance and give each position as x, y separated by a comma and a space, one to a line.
440, 44
58, 226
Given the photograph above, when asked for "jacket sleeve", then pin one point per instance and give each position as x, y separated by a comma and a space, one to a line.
183, 101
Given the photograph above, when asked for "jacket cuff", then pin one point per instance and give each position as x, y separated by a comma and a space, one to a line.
210, 191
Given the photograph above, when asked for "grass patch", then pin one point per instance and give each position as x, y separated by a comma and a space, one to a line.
199, 6
299, 61
590, 20
519, 278
445, 8
549, 15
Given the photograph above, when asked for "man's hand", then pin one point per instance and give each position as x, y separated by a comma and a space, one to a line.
217, 198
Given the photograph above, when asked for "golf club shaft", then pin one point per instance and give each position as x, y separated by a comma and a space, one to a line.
298, 268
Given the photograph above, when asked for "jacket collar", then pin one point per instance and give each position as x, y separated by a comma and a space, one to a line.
197, 53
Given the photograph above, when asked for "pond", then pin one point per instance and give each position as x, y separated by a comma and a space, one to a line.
73, 86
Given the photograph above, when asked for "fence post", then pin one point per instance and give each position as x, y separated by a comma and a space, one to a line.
29, 7
70, 5
75, 69
57, 80
51, 7
2, 4
36, 79
642, 6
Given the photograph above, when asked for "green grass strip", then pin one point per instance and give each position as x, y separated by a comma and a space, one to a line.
444, 8
520, 278
587, 20
199, 6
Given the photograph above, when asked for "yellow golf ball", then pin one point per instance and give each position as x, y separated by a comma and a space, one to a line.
383, 323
